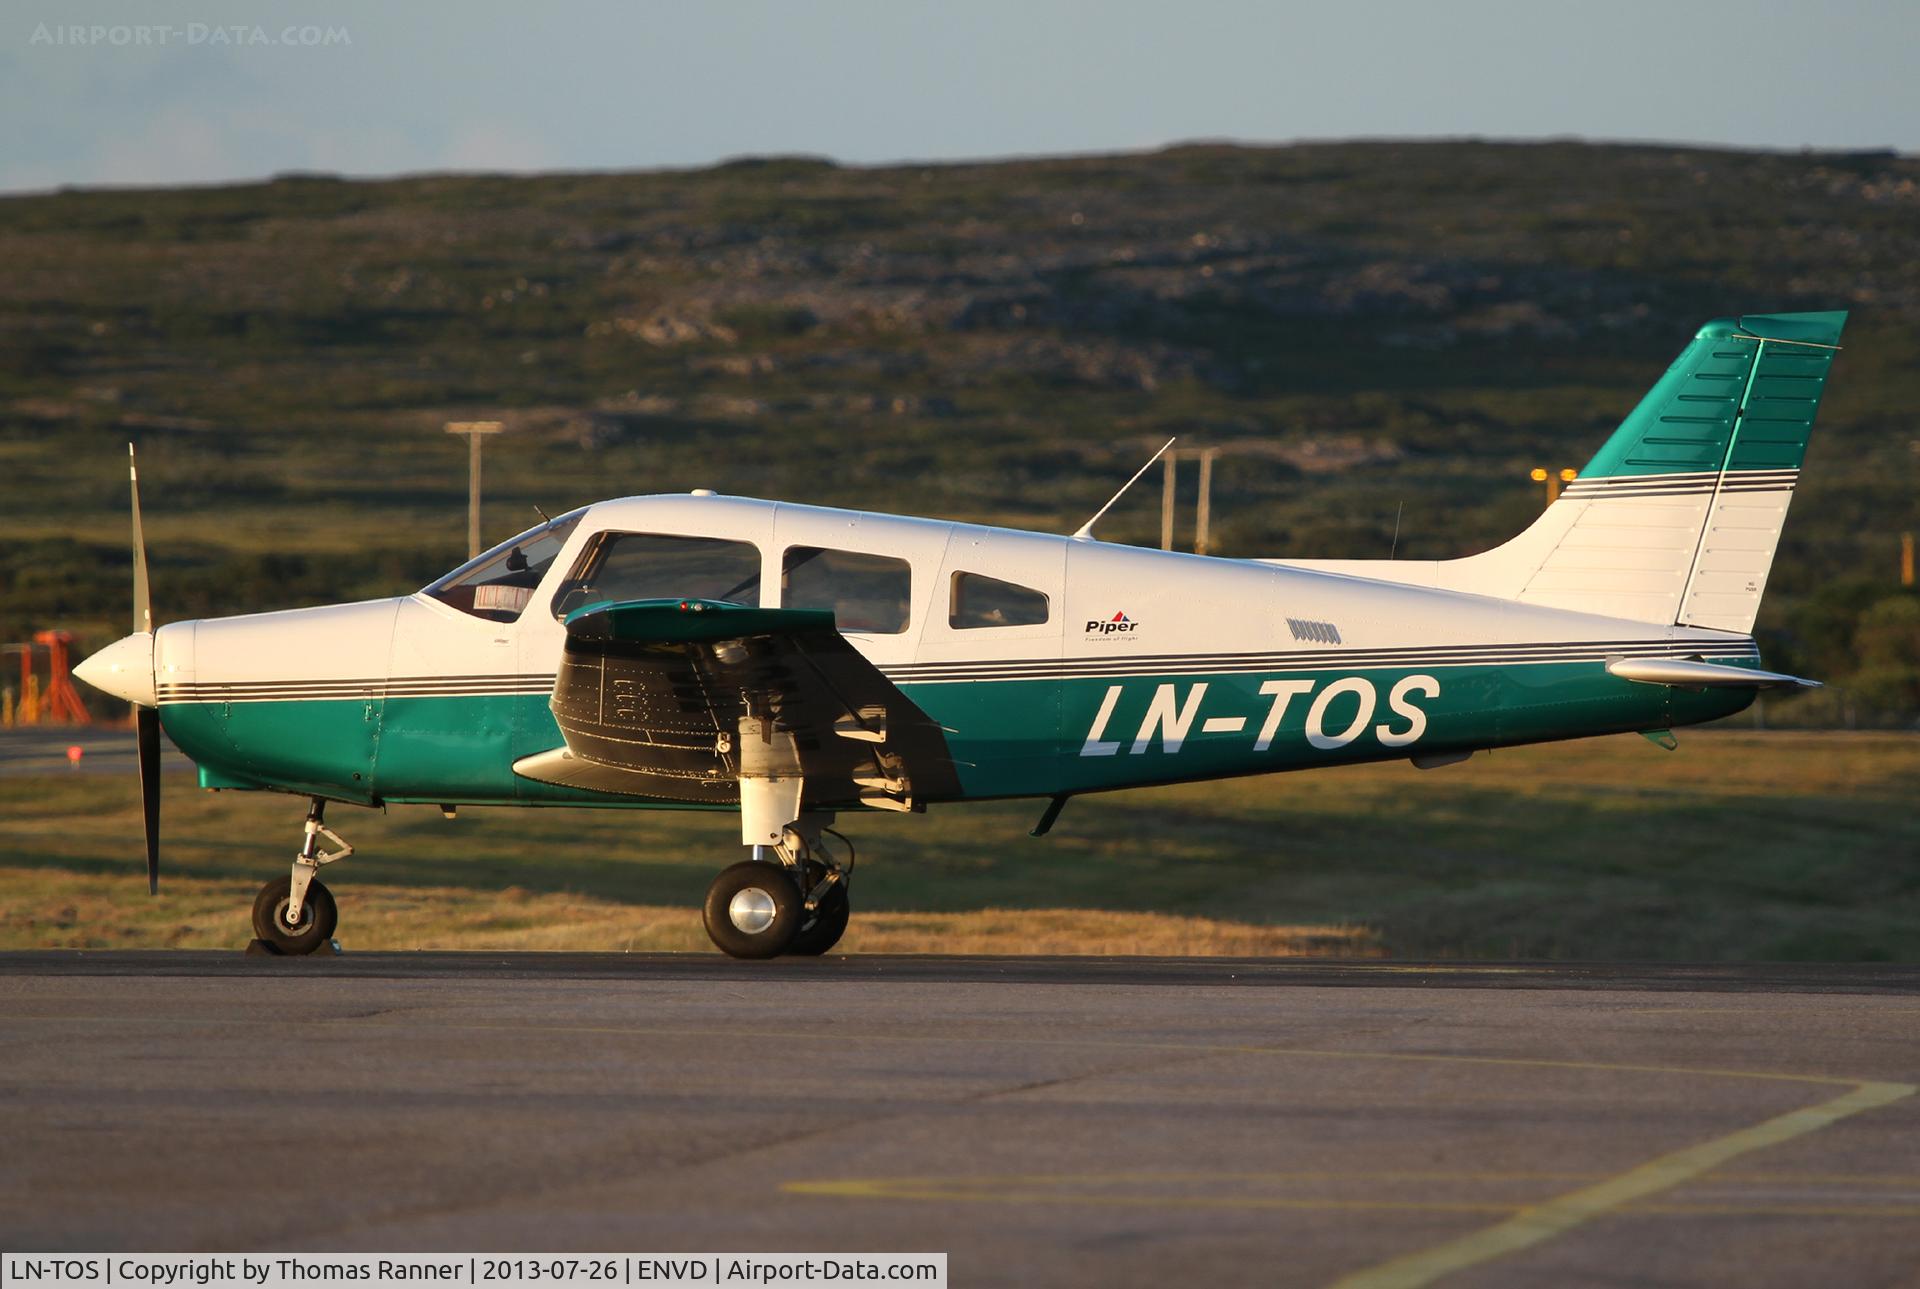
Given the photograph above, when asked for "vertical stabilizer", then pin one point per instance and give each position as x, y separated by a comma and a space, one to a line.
1676, 518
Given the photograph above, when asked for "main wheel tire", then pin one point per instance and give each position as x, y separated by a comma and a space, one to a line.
753, 910
829, 920
319, 916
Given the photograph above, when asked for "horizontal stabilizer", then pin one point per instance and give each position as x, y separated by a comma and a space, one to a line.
1686, 674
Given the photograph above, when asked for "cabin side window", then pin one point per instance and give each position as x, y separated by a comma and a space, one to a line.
498, 584
660, 566
981, 601
865, 592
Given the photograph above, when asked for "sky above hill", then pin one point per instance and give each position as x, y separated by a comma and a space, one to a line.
198, 91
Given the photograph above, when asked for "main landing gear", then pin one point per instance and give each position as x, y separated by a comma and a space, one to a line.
295, 914
791, 897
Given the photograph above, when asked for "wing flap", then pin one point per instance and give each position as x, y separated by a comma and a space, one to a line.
678, 699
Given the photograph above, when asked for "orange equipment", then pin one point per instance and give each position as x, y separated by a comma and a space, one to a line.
59, 702
62, 701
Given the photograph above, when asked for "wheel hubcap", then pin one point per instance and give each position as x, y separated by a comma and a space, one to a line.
751, 910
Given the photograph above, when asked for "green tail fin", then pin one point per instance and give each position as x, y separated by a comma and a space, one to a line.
1676, 519
1741, 397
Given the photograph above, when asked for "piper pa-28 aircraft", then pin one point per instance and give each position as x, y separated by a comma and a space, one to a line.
794, 662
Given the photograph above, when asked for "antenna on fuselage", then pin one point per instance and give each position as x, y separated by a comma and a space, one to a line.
1085, 533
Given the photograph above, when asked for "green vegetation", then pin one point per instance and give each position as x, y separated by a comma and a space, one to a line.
1369, 330
1738, 846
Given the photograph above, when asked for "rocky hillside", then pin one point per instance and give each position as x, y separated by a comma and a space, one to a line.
1366, 330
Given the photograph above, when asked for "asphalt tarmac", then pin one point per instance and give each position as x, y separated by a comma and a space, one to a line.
1097, 1122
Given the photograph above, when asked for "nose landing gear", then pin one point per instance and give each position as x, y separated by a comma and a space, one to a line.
295, 914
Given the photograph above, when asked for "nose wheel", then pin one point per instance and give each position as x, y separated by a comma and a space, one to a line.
308, 931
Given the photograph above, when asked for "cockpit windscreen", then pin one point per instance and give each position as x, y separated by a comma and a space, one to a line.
499, 584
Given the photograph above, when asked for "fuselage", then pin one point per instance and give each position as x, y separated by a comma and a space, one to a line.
1131, 666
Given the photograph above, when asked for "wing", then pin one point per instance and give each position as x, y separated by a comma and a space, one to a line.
678, 699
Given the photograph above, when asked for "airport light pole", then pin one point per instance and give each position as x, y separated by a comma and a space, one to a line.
1553, 480
1169, 494
1203, 523
1167, 485
476, 432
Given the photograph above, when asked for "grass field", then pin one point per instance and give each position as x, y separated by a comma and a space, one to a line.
1738, 846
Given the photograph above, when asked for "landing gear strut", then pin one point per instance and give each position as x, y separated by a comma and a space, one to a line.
790, 898
828, 910
295, 914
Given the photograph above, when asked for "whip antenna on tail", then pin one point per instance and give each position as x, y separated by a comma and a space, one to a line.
1085, 532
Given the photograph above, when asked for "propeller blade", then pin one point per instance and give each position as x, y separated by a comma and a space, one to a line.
147, 722
142, 604
146, 719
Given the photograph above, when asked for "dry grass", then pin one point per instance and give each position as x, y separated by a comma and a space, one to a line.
1099, 933
1740, 846
52, 910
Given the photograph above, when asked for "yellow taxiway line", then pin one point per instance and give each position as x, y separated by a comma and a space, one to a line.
1097, 1190
1541, 1222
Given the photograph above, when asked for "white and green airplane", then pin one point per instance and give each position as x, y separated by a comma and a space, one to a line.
793, 662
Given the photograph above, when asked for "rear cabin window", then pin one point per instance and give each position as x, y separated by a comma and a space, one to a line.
865, 592
657, 566
981, 601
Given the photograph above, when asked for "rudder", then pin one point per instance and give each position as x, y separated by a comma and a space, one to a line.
1764, 455
1689, 495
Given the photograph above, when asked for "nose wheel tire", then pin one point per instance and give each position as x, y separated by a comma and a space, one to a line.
319, 917
829, 918
753, 910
